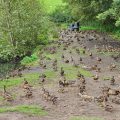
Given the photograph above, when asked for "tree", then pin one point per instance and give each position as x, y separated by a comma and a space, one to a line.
21, 22
88, 9
111, 15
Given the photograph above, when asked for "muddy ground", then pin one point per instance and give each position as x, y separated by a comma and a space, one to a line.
70, 103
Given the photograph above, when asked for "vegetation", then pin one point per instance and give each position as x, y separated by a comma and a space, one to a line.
30, 110
51, 5
12, 82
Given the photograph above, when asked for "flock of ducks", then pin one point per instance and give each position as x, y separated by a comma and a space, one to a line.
67, 39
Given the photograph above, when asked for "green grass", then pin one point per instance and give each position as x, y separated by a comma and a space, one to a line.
52, 56
50, 74
12, 82
85, 118
50, 5
26, 109
88, 28
71, 71
29, 60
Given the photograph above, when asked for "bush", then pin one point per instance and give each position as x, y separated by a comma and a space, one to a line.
27, 60
62, 14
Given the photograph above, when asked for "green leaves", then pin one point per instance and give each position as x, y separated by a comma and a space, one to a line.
21, 22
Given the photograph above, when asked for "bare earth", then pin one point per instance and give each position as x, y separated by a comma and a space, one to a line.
70, 103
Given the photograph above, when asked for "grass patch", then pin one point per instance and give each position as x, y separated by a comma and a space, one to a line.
109, 53
30, 110
85, 118
31, 78
50, 74
88, 28
71, 71
52, 56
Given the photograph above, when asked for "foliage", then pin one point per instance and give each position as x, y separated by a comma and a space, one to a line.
111, 15
26, 60
62, 14
22, 26
88, 9
51, 5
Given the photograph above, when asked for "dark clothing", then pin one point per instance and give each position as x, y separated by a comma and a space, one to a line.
75, 26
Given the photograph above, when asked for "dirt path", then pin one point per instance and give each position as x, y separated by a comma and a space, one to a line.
70, 103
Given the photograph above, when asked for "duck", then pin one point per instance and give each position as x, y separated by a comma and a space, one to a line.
95, 77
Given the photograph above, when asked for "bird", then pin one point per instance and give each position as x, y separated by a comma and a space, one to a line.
95, 77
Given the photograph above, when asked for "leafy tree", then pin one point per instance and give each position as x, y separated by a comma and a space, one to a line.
111, 15
61, 14
21, 22
88, 9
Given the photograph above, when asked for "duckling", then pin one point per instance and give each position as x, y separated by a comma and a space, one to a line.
62, 56
70, 51
113, 92
82, 88
99, 59
77, 51
115, 57
86, 97
95, 77
80, 60
94, 67
55, 62
19, 73
61, 87
64, 48
84, 51
47, 96
83, 81
79, 75
55, 68
7, 96
98, 70
112, 81
66, 61
72, 59
100, 99
91, 55
65, 82
42, 78
116, 100
108, 107
62, 72
53, 98
44, 66
112, 67
29, 93
26, 84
